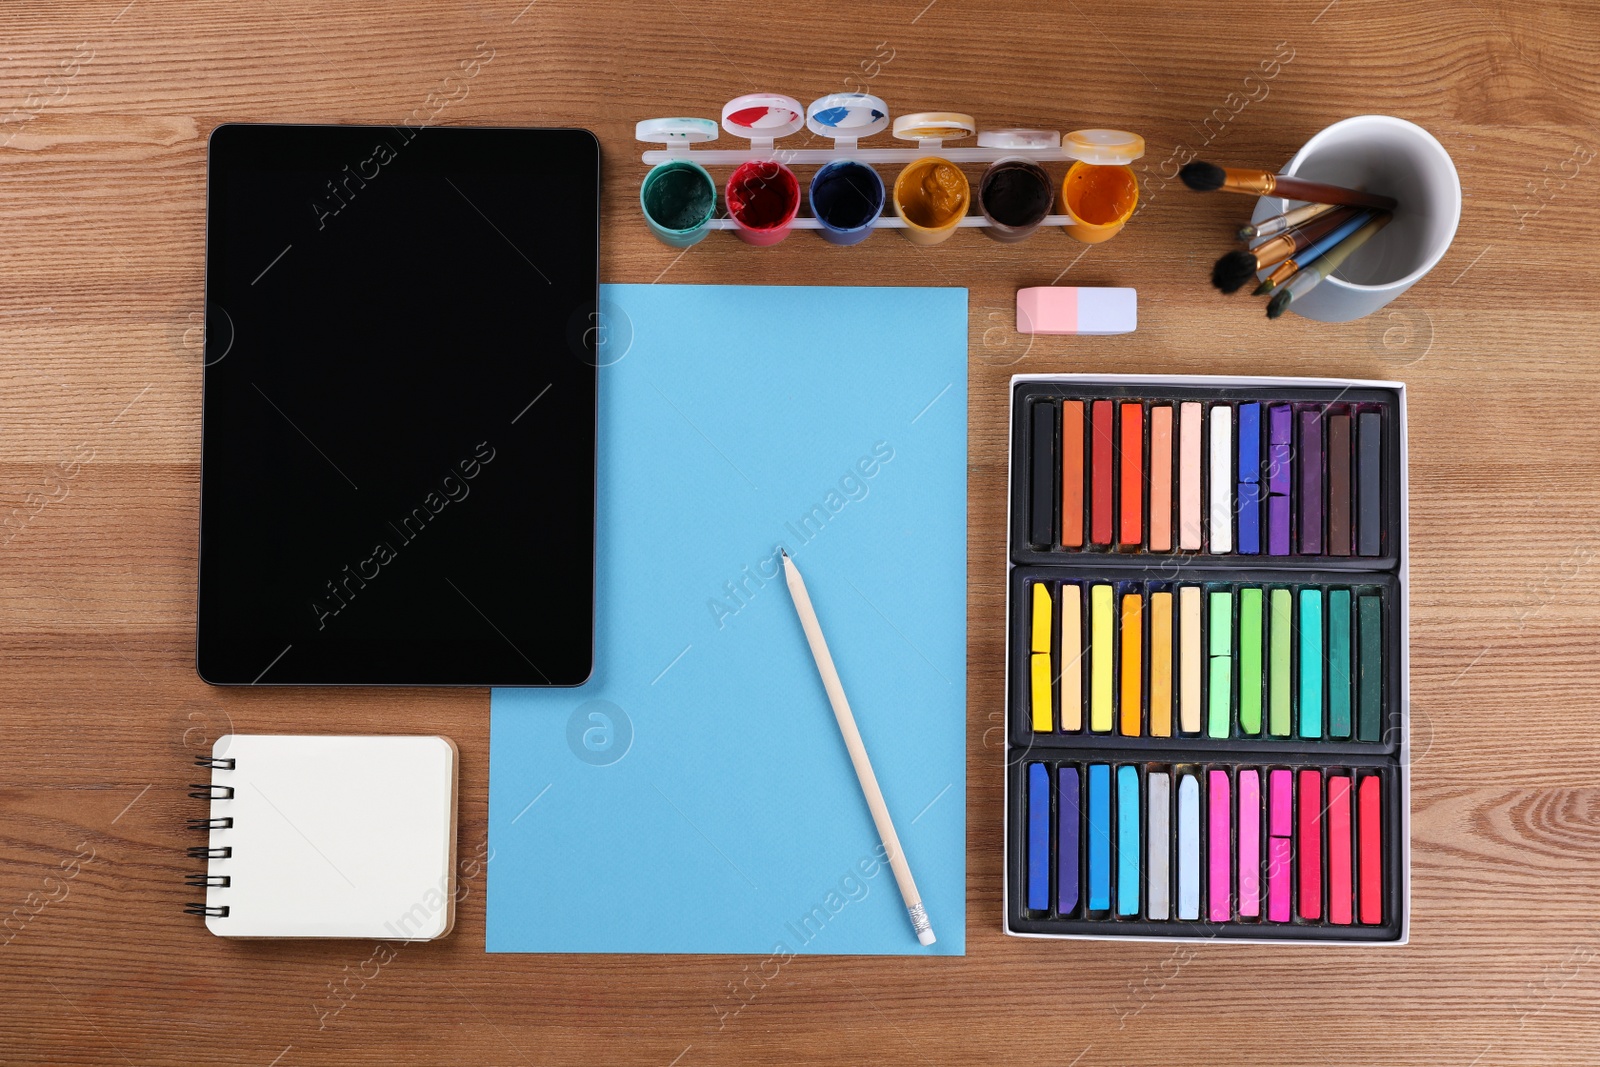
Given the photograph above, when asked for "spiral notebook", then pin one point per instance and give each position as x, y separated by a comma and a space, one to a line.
326, 836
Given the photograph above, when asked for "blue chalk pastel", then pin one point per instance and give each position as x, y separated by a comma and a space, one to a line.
1038, 837
1127, 841
1099, 837
1067, 842
1311, 663
1188, 847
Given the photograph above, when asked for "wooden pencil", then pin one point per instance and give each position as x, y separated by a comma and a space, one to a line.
858, 752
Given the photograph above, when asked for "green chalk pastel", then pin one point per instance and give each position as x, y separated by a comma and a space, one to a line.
1339, 664
1311, 663
1221, 644
1250, 661
1282, 634
1371, 668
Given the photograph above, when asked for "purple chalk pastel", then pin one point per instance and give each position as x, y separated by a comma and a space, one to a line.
1277, 526
1311, 483
1280, 457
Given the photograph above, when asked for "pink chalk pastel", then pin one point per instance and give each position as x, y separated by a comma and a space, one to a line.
1072, 309
1220, 897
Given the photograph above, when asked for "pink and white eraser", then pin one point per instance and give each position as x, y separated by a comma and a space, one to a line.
1077, 309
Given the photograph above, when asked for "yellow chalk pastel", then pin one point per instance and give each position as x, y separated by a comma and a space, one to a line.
1100, 660
1043, 716
1041, 617
1071, 657
1161, 664
1189, 658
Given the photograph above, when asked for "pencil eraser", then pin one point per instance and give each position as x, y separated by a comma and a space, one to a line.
1075, 309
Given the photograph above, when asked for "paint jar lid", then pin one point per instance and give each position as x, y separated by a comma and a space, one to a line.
675, 131
934, 126
763, 116
1104, 148
1019, 139
847, 116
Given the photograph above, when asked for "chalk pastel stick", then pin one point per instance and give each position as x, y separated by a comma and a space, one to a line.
1069, 816
1341, 893
1101, 670
1038, 837
1161, 478
1371, 855
1041, 635
1100, 450
1308, 843
1339, 673
1072, 473
1188, 847
1280, 459
1371, 668
1280, 844
1158, 874
1249, 479
1189, 477
1369, 483
1249, 844
1128, 844
1282, 630
1189, 658
1041, 696
1220, 691
1071, 657
1339, 536
1161, 664
1041, 531
1131, 528
1132, 663
1311, 663
1220, 897
1099, 837
1221, 486
1311, 483
1250, 662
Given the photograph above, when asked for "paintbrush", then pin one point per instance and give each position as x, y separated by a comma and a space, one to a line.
1281, 223
1308, 277
1236, 268
1205, 177
1321, 247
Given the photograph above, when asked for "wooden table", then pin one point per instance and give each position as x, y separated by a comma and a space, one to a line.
102, 183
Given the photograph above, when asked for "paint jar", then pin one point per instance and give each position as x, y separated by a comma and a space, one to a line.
678, 197
1099, 200
1100, 191
846, 199
846, 196
1014, 195
763, 197
932, 194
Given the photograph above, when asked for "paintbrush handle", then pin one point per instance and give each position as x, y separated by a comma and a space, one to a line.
1276, 249
1334, 258
1265, 183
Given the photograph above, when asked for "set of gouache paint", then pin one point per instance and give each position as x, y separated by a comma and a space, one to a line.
1207, 670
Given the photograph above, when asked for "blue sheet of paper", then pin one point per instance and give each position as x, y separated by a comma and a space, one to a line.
695, 795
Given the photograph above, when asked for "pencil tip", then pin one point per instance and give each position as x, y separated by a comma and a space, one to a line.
783, 552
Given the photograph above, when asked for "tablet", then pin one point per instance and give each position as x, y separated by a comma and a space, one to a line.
398, 441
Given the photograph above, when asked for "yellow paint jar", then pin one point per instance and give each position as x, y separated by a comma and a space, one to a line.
1099, 200
932, 195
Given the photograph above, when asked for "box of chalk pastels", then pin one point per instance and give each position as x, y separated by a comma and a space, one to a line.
1207, 669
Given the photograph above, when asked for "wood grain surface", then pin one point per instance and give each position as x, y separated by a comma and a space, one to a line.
105, 106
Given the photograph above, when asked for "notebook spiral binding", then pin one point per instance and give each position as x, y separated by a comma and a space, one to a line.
207, 791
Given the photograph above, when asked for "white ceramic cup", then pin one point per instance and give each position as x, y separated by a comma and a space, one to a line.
1391, 156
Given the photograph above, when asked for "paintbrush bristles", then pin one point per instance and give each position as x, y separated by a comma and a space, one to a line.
1202, 177
1278, 304
1233, 270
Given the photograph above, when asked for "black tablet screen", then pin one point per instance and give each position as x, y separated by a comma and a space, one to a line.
397, 478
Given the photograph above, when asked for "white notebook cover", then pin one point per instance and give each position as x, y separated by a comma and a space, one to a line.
333, 837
